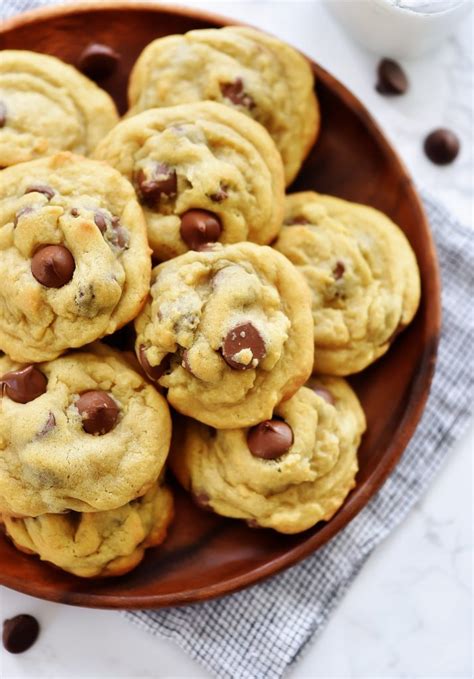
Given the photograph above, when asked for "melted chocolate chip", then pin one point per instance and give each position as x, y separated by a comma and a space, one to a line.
3, 114
24, 211
53, 266
296, 220
185, 361
41, 188
100, 221
161, 179
219, 195
270, 439
20, 633
98, 61
338, 270
199, 227
24, 385
442, 146
153, 372
236, 93
243, 337
324, 393
48, 426
391, 78
98, 410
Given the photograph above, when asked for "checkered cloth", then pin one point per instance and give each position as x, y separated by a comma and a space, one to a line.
261, 632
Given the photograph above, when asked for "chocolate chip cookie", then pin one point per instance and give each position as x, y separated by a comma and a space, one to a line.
47, 106
84, 432
98, 544
242, 68
362, 273
285, 473
202, 172
74, 258
228, 331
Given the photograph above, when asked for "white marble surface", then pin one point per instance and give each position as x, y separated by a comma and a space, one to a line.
409, 612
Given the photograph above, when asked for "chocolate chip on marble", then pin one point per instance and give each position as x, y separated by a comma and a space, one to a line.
48, 426
391, 78
442, 146
23, 211
236, 93
242, 338
98, 61
24, 385
199, 227
98, 410
20, 633
3, 114
339, 270
46, 190
53, 266
153, 372
270, 439
220, 195
156, 181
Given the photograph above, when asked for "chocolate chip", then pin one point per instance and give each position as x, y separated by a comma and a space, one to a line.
53, 266
157, 180
74, 212
338, 270
219, 195
41, 188
202, 501
199, 227
251, 523
324, 393
20, 633
442, 146
100, 222
24, 211
243, 337
98, 410
236, 93
120, 236
98, 61
153, 372
48, 426
296, 220
185, 361
391, 78
24, 385
270, 439
3, 114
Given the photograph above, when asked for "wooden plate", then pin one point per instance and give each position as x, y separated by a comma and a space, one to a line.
207, 556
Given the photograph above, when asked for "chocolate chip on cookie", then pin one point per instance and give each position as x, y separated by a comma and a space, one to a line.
24, 211
53, 266
99, 221
237, 95
338, 270
98, 61
243, 347
41, 188
48, 426
3, 114
20, 633
24, 385
154, 372
220, 195
270, 439
98, 410
324, 393
199, 227
157, 180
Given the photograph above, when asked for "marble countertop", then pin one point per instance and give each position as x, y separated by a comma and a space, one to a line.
408, 614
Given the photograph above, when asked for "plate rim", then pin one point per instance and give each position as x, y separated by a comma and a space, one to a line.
416, 400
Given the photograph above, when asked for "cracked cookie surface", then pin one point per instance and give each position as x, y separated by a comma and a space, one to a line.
228, 331
97, 544
84, 432
74, 258
48, 106
287, 473
362, 274
242, 68
184, 160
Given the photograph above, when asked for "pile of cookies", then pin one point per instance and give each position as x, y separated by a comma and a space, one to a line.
257, 307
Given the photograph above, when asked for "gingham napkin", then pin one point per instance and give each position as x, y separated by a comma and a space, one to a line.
261, 632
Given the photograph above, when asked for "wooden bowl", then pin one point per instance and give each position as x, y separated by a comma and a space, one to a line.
207, 556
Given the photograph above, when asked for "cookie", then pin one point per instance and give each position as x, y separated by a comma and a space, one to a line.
228, 332
285, 473
98, 544
203, 173
47, 106
84, 432
241, 67
74, 258
362, 273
